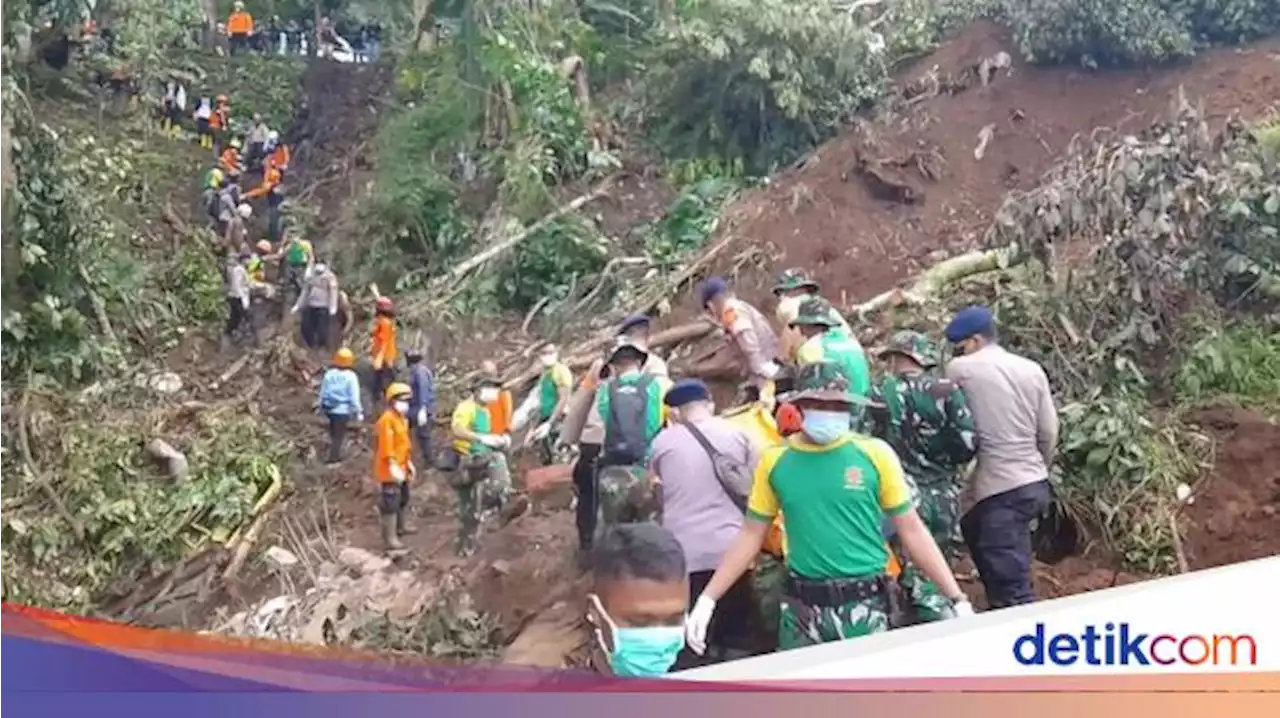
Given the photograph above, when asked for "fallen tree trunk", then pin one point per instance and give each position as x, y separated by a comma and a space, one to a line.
466, 267
938, 277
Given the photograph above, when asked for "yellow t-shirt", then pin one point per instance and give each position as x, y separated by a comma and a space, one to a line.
469, 416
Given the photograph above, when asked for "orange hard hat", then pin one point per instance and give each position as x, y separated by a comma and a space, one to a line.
385, 304
344, 358
264, 246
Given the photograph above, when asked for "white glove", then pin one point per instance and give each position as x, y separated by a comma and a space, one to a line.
771, 369
542, 432
493, 441
696, 625
294, 310
244, 302
960, 609
504, 441
422, 416
397, 473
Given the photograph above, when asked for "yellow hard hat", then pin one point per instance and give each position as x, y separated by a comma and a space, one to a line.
344, 358
235, 142
397, 390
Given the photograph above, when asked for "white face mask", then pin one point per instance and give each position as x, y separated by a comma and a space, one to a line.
320, 268
401, 406
550, 360
488, 395
788, 308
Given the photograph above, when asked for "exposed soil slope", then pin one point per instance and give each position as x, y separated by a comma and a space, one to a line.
1234, 516
861, 236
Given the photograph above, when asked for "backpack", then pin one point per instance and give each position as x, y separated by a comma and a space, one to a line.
729, 471
626, 432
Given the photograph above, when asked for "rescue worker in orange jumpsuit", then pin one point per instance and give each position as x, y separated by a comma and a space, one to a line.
230, 162
393, 466
384, 351
271, 189
239, 28
220, 121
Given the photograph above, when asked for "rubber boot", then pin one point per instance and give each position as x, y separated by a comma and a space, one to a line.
389, 538
403, 526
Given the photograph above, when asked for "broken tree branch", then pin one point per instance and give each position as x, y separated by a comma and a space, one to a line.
465, 268
24, 446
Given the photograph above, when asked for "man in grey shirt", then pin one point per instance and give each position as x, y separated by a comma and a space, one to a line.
1017, 430
697, 508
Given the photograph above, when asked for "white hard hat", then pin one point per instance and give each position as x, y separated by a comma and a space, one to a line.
245, 210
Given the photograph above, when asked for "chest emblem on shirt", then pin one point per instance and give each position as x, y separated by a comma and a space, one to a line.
853, 478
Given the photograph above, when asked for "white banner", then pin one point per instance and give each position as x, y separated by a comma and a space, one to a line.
1222, 620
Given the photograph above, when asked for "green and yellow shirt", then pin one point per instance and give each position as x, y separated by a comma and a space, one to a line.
835, 498
470, 415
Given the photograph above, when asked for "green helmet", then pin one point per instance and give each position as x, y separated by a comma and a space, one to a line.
823, 381
815, 311
913, 345
794, 278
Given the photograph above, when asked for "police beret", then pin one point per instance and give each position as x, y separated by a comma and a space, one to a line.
712, 288
685, 391
969, 322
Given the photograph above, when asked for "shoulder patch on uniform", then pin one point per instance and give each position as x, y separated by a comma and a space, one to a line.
729, 316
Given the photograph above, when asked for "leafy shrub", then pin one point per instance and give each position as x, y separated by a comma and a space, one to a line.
759, 79
1240, 362
1097, 32
688, 222
548, 264
52, 221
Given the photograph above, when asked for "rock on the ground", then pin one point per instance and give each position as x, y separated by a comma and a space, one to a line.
280, 558
361, 561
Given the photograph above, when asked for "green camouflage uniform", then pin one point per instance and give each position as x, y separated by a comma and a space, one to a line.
801, 624
927, 421
627, 494
486, 493
482, 483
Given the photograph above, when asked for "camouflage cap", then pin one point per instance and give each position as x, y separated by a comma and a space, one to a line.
815, 311
822, 381
794, 278
913, 345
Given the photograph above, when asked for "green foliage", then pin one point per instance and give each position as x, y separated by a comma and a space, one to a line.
547, 144
549, 263
1239, 362
270, 86
688, 222
46, 301
1118, 471
760, 79
135, 521
1121, 32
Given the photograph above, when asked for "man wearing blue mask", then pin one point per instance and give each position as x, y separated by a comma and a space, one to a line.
638, 604
835, 488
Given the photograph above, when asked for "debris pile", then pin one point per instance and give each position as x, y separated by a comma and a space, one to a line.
348, 594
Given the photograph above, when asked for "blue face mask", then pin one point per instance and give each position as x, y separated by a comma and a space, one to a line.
825, 427
645, 651
638, 652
